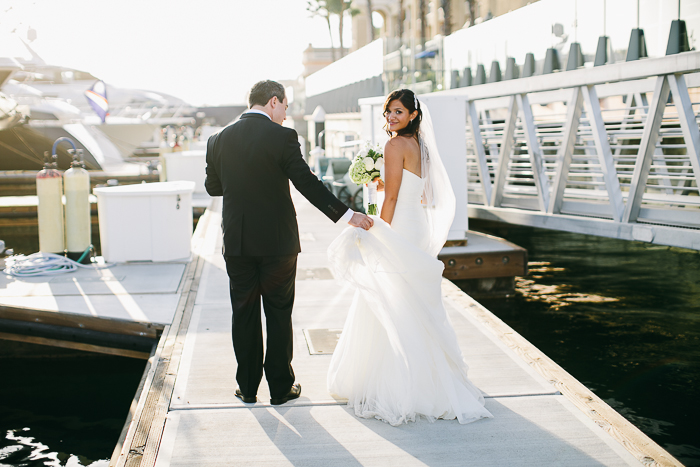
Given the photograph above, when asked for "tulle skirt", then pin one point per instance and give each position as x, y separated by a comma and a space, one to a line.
398, 357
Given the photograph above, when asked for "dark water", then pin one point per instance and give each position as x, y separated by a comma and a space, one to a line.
62, 411
621, 317
65, 411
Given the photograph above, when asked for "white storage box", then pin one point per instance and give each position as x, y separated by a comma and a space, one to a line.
145, 222
187, 165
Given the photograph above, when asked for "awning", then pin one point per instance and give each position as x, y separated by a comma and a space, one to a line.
426, 54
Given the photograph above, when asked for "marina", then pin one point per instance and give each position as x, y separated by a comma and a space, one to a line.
570, 266
194, 339
561, 328
191, 394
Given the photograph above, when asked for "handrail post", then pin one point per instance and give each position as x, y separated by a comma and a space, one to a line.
533, 149
602, 145
689, 126
647, 146
574, 106
504, 153
478, 142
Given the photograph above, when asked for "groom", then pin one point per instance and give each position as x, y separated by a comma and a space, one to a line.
250, 164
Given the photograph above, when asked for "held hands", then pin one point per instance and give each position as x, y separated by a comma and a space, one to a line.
380, 183
360, 220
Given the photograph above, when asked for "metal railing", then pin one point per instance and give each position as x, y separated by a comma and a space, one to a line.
611, 151
618, 143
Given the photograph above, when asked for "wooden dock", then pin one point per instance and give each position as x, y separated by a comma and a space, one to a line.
185, 412
120, 310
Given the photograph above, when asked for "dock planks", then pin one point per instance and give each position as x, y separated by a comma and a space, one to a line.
143, 292
187, 414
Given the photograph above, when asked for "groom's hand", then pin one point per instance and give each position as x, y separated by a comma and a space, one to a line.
360, 220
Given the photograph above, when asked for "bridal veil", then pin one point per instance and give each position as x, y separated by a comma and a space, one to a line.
438, 198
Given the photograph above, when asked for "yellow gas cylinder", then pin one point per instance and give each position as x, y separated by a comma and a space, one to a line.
49, 190
76, 182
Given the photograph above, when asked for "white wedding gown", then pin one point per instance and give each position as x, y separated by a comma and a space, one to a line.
398, 356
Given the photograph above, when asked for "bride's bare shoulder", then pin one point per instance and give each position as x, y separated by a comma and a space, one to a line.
398, 146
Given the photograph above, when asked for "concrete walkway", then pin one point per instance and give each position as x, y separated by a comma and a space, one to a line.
534, 424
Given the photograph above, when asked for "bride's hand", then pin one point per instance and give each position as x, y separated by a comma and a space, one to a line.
380, 183
361, 220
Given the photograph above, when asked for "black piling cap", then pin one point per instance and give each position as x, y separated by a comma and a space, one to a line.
551, 62
638, 46
575, 59
512, 71
480, 77
677, 38
455, 81
601, 54
466, 77
495, 73
529, 65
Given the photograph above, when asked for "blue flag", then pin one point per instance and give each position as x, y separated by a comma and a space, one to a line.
97, 96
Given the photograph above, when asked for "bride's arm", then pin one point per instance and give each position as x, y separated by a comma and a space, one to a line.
393, 171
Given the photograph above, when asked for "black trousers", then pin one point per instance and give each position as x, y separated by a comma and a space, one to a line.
272, 279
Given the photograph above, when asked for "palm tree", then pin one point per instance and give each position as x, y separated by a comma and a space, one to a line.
339, 7
321, 8
447, 25
472, 11
400, 21
423, 25
326, 8
370, 26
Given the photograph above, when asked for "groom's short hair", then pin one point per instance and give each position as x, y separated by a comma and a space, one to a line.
263, 91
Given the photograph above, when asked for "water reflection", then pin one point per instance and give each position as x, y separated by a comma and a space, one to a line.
622, 317
26, 451
65, 409
558, 295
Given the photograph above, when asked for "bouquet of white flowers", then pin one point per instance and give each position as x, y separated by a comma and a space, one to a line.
364, 169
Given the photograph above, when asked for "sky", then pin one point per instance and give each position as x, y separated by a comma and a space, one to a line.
207, 52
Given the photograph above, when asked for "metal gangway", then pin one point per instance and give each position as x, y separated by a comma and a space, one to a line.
611, 151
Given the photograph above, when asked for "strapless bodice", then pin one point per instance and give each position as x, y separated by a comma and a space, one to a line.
409, 217
410, 191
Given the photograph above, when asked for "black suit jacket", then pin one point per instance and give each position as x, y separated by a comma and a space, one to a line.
250, 164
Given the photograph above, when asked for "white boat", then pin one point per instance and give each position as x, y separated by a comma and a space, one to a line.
51, 103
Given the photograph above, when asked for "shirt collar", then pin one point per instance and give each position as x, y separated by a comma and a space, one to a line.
256, 111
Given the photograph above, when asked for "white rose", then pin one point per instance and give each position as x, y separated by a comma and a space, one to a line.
379, 163
369, 163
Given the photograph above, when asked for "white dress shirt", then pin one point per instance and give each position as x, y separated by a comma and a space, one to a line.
256, 111
348, 214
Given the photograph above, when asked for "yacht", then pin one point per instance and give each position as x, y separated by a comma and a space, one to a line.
50, 101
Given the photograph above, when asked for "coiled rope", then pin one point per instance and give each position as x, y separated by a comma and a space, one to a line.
45, 264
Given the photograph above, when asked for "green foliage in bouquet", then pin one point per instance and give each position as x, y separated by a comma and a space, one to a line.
366, 165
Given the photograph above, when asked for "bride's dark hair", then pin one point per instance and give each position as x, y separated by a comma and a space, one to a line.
410, 101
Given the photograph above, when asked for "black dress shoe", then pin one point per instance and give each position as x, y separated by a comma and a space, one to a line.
246, 399
292, 394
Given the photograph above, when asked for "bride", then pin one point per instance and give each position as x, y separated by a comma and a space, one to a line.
398, 358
